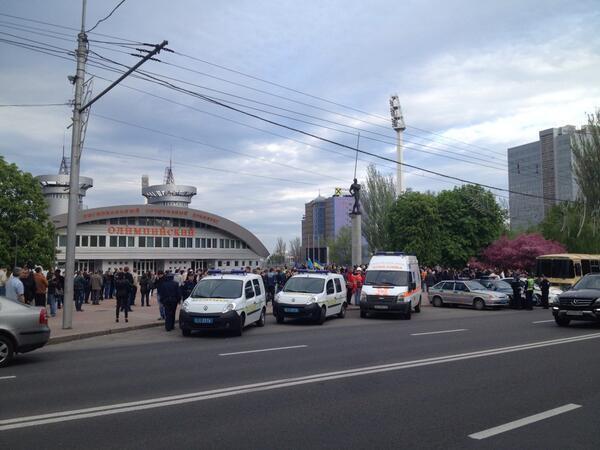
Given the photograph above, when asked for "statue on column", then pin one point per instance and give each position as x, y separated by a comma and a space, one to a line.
355, 192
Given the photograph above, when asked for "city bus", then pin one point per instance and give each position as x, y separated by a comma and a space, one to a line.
567, 268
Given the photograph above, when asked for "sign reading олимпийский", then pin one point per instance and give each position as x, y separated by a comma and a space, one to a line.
151, 231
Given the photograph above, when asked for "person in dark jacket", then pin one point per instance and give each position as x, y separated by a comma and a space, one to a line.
28, 281
145, 284
78, 290
123, 291
545, 288
516, 298
188, 286
170, 296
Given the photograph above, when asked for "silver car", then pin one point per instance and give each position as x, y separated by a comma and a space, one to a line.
23, 328
466, 292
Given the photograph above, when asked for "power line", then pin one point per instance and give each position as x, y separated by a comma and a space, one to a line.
105, 18
32, 105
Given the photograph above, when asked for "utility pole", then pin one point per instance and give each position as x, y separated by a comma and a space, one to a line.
73, 211
398, 126
76, 142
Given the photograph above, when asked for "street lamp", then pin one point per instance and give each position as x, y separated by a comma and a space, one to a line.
399, 126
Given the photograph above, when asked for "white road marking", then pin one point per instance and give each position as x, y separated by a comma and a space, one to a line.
263, 350
439, 332
64, 416
524, 421
10, 377
543, 321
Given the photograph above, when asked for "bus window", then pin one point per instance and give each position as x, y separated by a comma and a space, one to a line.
577, 269
562, 268
595, 266
544, 267
585, 266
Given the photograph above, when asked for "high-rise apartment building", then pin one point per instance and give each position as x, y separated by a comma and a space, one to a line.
543, 170
323, 219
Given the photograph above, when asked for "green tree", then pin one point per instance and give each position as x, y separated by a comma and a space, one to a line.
340, 248
414, 226
586, 159
377, 201
23, 219
471, 220
567, 224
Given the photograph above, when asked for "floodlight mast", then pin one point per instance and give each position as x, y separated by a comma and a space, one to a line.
398, 126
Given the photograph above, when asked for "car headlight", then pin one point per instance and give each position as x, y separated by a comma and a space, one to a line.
401, 298
312, 300
229, 307
363, 296
597, 302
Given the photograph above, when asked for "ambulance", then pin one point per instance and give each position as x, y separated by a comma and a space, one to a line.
392, 285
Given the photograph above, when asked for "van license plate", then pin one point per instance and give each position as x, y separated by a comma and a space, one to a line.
203, 320
574, 313
291, 310
380, 306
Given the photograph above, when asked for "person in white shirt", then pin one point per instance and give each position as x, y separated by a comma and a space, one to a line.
14, 287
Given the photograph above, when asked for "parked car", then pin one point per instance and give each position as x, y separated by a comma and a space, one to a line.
23, 328
468, 293
225, 301
497, 286
537, 291
313, 295
581, 302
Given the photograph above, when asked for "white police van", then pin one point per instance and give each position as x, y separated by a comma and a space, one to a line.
312, 294
225, 301
392, 285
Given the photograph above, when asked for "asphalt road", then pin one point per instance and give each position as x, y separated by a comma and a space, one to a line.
448, 378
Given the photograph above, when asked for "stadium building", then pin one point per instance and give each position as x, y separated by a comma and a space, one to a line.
161, 234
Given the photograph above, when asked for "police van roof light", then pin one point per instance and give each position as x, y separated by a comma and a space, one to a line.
312, 271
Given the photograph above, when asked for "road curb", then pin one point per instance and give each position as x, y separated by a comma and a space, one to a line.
91, 334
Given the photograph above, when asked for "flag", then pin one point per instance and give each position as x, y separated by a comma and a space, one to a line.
317, 265
309, 264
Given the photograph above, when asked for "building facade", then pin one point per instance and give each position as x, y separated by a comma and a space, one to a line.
322, 221
163, 234
543, 170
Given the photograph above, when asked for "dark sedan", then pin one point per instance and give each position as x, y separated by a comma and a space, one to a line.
498, 286
581, 302
23, 328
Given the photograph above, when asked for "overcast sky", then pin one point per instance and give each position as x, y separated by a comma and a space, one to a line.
473, 77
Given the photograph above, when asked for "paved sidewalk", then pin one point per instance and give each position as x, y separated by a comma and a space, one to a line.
96, 320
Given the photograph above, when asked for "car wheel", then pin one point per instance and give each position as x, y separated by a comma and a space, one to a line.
562, 321
280, 318
418, 307
322, 316
408, 315
363, 314
437, 302
186, 332
7, 350
478, 304
240, 329
342, 312
262, 320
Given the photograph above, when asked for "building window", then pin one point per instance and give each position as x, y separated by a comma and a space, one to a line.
130, 241
93, 241
149, 242
84, 241
142, 241
175, 242
131, 221
165, 242
220, 263
113, 241
236, 263
77, 238
62, 240
221, 243
114, 221
232, 243
101, 241
228, 263
209, 243
122, 241
157, 242
122, 220
197, 242
238, 244
189, 242
214, 243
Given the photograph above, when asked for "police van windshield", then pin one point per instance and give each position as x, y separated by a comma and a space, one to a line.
217, 288
387, 278
305, 285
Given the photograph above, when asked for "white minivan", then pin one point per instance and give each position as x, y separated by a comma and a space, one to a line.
392, 285
312, 294
225, 301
